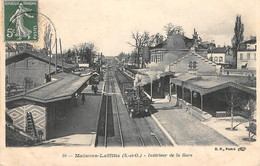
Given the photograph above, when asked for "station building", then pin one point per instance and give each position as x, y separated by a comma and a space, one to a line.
28, 69
198, 85
47, 103
200, 88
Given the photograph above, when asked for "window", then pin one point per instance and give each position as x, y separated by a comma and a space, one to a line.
159, 58
216, 58
221, 59
241, 56
192, 65
248, 55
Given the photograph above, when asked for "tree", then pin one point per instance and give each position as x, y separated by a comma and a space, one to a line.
68, 56
171, 29
155, 39
251, 80
250, 108
238, 36
123, 56
47, 38
140, 40
86, 52
233, 101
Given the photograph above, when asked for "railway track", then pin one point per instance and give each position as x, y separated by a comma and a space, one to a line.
110, 92
117, 129
117, 113
146, 135
106, 112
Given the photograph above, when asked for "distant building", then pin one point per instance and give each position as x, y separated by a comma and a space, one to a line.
28, 69
21, 47
131, 61
207, 45
9, 50
77, 59
246, 55
221, 55
176, 43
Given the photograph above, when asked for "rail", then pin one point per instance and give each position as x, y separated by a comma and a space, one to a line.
118, 117
152, 133
106, 110
139, 133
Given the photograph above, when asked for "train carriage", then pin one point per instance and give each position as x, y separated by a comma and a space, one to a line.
136, 101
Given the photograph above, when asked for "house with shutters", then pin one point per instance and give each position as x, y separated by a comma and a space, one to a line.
246, 55
222, 56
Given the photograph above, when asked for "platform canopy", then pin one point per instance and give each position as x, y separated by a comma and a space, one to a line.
208, 84
65, 86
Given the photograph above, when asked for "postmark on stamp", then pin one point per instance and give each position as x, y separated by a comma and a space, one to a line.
21, 20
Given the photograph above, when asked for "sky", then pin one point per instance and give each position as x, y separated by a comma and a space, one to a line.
109, 23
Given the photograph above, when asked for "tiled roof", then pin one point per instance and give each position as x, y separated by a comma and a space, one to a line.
198, 55
185, 77
243, 46
160, 45
218, 50
188, 42
208, 84
23, 55
251, 41
9, 48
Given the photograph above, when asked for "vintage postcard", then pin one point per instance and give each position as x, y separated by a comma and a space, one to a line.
129, 82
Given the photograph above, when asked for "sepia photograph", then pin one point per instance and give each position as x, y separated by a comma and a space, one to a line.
119, 75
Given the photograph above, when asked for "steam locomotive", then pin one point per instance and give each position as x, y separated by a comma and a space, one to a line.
137, 103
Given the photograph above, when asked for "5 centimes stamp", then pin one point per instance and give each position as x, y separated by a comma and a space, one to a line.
21, 20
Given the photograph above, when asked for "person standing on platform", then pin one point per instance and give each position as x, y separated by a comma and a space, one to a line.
95, 88
83, 98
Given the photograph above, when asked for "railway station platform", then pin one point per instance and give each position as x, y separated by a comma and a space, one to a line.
184, 128
179, 123
80, 126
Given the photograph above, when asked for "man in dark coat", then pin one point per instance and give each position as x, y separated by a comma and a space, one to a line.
83, 98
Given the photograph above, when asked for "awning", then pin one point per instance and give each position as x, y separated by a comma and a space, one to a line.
64, 87
208, 84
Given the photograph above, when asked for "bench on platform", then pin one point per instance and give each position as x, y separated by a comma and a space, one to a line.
221, 114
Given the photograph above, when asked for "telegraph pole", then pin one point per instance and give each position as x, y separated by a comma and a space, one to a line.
56, 56
61, 57
50, 60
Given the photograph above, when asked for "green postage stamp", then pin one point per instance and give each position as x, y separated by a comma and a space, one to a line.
21, 20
